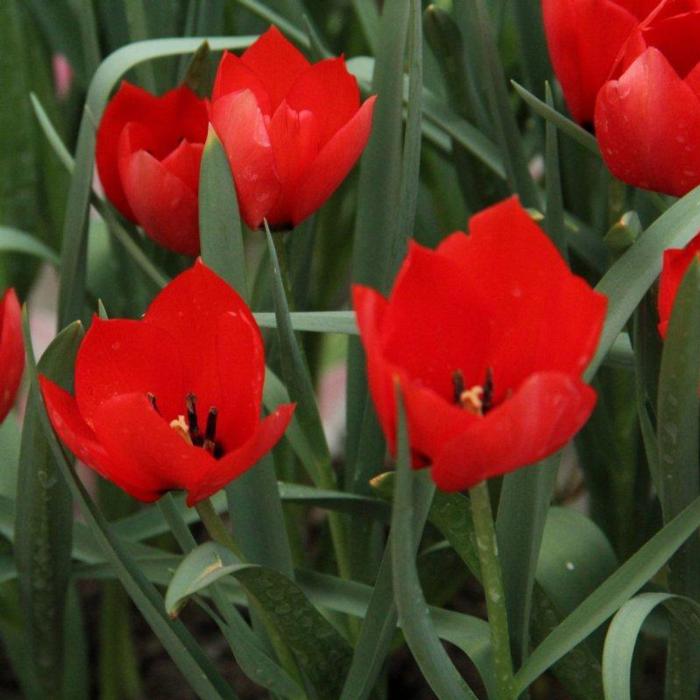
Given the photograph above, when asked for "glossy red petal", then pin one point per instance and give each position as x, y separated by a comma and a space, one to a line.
675, 37
276, 62
233, 75
232, 465
241, 127
79, 438
520, 273
675, 265
328, 91
219, 345
648, 127
639, 8
334, 162
163, 195
118, 357
142, 444
541, 417
11, 351
295, 144
584, 39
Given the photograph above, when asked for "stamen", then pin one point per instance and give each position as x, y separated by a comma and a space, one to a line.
191, 403
487, 398
210, 434
458, 384
152, 400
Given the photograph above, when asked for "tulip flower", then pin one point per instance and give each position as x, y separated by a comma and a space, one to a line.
148, 154
11, 351
171, 401
584, 39
675, 265
647, 116
291, 130
487, 337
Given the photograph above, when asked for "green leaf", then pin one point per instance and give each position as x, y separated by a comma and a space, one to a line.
435, 664
322, 654
554, 211
610, 596
624, 629
220, 228
43, 523
185, 652
314, 321
628, 280
13, 240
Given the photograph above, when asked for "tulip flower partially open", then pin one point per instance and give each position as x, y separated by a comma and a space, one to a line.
148, 154
171, 401
675, 265
488, 336
647, 116
584, 39
11, 351
292, 130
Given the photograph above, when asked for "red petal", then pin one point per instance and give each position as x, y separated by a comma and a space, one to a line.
675, 37
240, 125
233, 75
219, 345
541, 417
11, 350
232, 465
328, 91
141, 443
295, 143
676, 263
277, 64
334, 162
119, 357
648, 127
540, 316
163, 195
75, 433
584, 39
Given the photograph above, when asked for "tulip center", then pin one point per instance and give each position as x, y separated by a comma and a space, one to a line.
478, 399
187, 426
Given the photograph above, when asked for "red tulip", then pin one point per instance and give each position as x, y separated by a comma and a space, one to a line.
292, 131
584, 38
647, 115
11, 351
676, 264
488, 336
171, 401
148, 155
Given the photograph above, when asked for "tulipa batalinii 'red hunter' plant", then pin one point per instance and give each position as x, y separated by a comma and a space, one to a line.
11, 351
488, 336
148, 154
292, 130
171, 402
584, 39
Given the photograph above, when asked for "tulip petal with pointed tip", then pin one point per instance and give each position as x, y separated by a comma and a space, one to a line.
11, 351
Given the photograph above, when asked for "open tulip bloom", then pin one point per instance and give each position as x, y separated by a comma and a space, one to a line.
488, 337
292, 130
11, 351
647, 115
171, 401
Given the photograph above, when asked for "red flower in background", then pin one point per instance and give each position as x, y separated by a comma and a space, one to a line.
292, 130
676, 264
647, 115
584, 39
148, 155
488, 336
171, 401
11, 351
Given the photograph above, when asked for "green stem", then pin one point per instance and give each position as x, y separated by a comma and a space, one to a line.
279, 238
216, 528
493, 589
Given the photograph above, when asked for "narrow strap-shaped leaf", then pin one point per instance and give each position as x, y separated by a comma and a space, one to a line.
435, 664
13, 240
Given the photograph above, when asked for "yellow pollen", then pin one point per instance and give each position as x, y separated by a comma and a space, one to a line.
471, 400
181, 428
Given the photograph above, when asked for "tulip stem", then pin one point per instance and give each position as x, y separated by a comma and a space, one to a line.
279, 240
215, 527
492, 580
